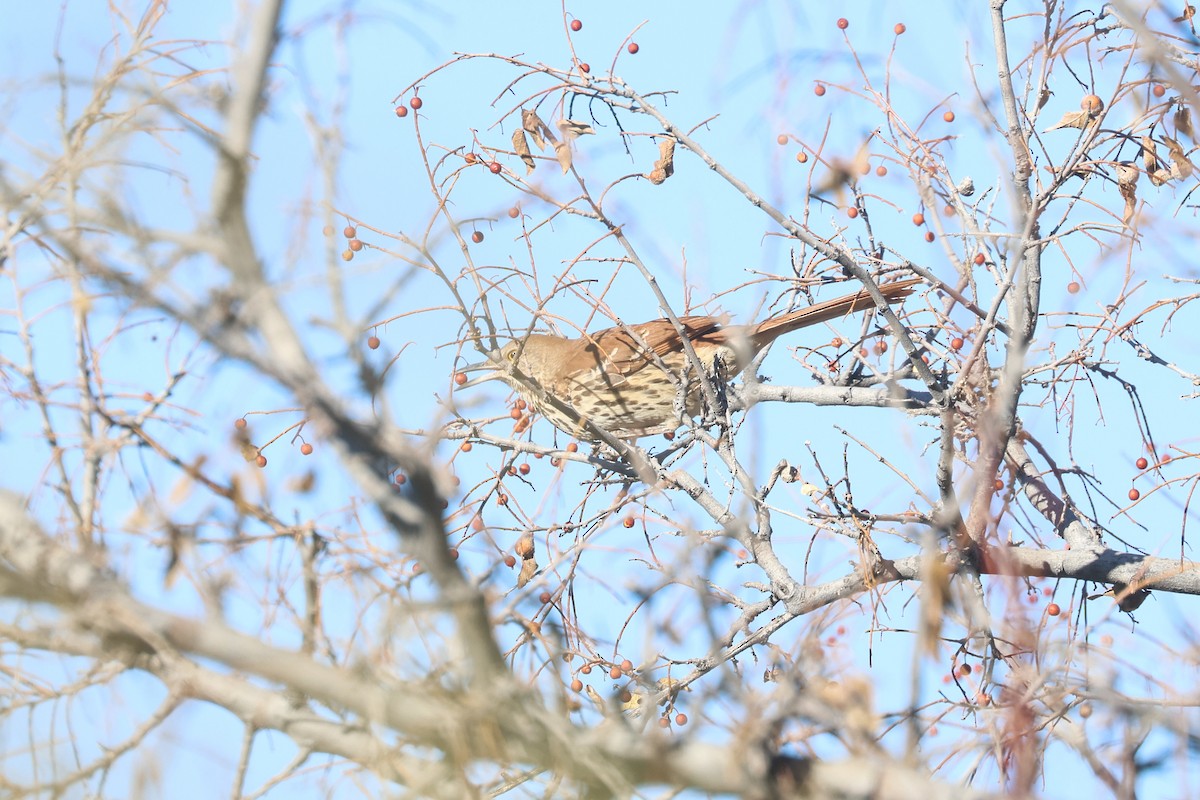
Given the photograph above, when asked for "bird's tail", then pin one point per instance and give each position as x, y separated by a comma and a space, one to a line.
768, 330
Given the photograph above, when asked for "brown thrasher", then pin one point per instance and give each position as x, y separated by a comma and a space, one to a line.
615, 379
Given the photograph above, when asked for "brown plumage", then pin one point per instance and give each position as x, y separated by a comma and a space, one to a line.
615, 379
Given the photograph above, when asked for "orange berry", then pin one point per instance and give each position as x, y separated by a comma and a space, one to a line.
802, 157
373, 342
327, 230
509, 561
261, 461
516, 413
514, 212
881, 347
819, 90
460, 378
587, 669
1166, 457
524, 469
998, 485
964, 670
350, 232
843, 23
495, 167
577, 685
1142, 463
355, 245
1053, 609
852, 212
782, 139
1073, 287
416, 103
629, 522
347, 255
681, 719
1091, 104
521, 404
1085, 710
980, 259
949, 211
573, 448
501, 499
881, 170
306, 449
918, 219
929, 237
470, 158
576, 25
401, 111
544, 598
956, 343
1134, 494
465, 447
948, 116
454, 553
240, 423
401, 479
1159, 90
477, 237
899, 29
585, 67
633, 48
615, 672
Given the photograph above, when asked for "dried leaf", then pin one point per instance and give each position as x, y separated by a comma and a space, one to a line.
571, 130
521, 146
1129, 193
595, 697
524, 546
529, 568
1127, 173
1072, 119
1180, 166
539, 130
562, 151
1183, 122
664, 167
1157, 175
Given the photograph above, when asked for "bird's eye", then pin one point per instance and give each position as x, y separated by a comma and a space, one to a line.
511, 355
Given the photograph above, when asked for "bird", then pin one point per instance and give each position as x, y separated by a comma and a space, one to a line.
637, 380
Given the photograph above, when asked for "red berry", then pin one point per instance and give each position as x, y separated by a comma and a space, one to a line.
355, 244
416, 103
495, 167
629, 522
980, 259
573, 447
929, 237
1166, 457
544, 598
1053, 609
306, 449
948, 116
1159, 90
681, 719
851, 212
585, 67
964, 670
843, 23
509, 561
1142, 463
460, 378
465, 447
956, 343
918, 219
524, 469
633, 48
819, 90
401, 111
477, 237
350, 232
1134, 494
576, 25
261, 461
899, 29
373, 343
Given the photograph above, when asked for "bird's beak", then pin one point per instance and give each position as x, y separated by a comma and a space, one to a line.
491, 370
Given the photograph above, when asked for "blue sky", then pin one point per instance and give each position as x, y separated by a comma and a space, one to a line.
744, 75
